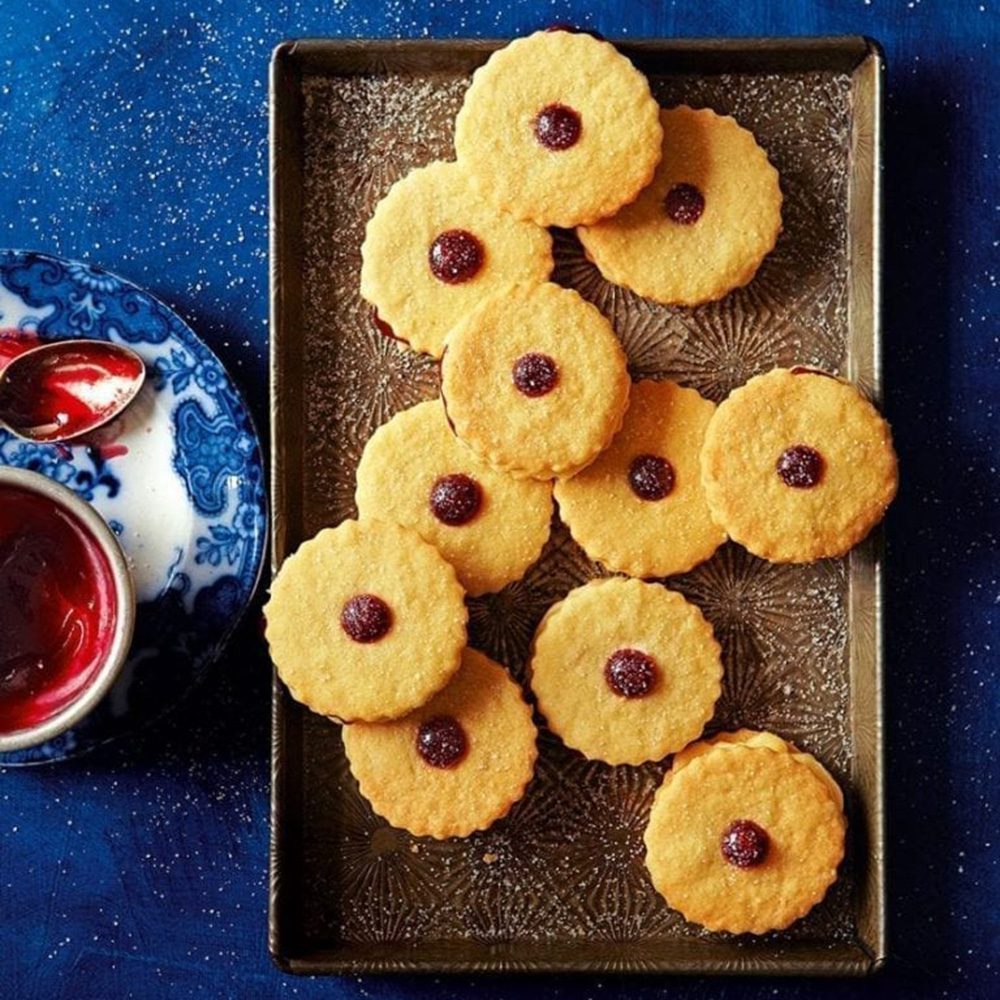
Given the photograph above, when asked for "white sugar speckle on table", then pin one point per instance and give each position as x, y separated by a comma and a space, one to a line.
135, 137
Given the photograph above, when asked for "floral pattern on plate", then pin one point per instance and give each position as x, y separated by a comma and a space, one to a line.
179, 477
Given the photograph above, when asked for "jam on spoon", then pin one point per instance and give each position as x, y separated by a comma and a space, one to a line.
63, 389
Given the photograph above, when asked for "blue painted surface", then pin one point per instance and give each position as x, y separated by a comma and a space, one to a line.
134, 136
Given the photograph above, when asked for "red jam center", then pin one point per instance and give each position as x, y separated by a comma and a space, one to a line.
651, 477
800, 466
366, 618
630, 673
684, 204
557, 127
441, 741
744, 844
535, 374
455, 256
57, 608
456, 499
65, 394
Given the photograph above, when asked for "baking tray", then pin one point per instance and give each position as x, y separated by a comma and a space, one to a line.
560, 884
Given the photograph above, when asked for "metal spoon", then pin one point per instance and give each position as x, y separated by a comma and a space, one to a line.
62, 389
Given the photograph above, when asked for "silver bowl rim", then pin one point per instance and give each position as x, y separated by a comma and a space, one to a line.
121, 642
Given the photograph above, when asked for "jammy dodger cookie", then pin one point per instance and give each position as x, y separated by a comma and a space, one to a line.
639, 507
455, 765
535, 381
488, 525
798, 465
745, 834
434, 248
704, 224
559, 128
365, 621
625, 671
758, 738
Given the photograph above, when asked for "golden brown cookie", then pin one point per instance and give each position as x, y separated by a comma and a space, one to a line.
798, 465
366, 621
625, 671
702, 227
455, 765
757, 738
559, 128
744, 838
488, 525
434, 249
535, 381
639, 507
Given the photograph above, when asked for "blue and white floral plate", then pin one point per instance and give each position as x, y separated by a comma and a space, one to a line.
179, 477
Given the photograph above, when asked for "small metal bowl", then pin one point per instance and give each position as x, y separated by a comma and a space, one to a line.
118, 649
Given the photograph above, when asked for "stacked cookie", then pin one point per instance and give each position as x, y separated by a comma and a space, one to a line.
367, 623
745, 833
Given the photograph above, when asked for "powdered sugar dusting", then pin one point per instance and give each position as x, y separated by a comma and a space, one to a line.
567, 863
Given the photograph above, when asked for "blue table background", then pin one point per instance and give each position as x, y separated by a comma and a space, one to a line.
134, 135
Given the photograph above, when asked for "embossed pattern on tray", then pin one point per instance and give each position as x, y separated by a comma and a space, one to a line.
567, 863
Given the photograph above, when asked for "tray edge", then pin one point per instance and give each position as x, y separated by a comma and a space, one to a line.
287, 60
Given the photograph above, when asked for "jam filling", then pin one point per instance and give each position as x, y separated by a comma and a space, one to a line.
558, 127
65, 394
535, 374
744, 844
684, 204
441, 741
455, 256
630, 673
800, 467
651, 477
804, 370
455, 499
366, 618
57, 608
384, 328
14, 343
575, 30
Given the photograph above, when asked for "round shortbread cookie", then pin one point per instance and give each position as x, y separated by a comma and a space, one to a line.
798, 465
757, 738
434, 249
702, 227
365, 621
744, 839
488, 525
639, 507
559, 128
535, 381
455, 765
625, 671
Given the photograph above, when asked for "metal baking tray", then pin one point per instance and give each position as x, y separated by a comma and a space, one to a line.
560, 884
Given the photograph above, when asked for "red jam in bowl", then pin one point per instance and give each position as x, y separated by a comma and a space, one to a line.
58, 608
